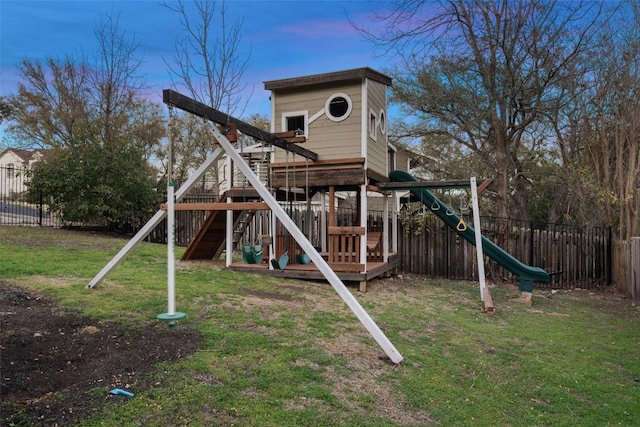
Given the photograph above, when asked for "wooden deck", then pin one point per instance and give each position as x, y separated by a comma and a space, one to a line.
311, 272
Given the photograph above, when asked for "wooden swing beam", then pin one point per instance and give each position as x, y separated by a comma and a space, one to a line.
235, 206
453, 183
192, 106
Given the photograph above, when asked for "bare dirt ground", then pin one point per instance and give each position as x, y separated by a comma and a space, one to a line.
57, 366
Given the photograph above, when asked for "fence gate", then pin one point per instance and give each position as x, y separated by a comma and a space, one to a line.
17, 207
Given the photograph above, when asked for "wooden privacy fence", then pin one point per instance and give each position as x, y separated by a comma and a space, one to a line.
574, 256
626, 267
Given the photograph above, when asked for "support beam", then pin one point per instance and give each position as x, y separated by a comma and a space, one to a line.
453, 183
385, 228
308, 248
485, 294
394, 222
483, 186
235, 206
323, 221
194, 107
156, 219
229, 229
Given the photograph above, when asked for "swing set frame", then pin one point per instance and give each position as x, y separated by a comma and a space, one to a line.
174, 99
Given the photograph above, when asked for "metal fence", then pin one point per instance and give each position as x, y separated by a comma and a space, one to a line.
16, 205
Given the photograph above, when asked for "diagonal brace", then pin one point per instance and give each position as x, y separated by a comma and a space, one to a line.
199, 109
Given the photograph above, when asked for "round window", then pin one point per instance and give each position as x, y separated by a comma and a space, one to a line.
338, 107
383, 122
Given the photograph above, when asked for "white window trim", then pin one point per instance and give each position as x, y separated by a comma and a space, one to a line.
328, 110
372, 123
285, 116
382, 121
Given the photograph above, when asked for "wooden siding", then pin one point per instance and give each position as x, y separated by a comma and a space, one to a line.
377, 149
329, 139
402, 159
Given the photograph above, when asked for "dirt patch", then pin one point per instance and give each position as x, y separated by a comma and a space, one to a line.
55, 237
59, 366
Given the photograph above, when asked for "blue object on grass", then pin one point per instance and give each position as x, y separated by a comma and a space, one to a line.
121, 392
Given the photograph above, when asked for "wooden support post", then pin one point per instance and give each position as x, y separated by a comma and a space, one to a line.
229, 239
394, 221
363, 223
363, 286
332, 206
323, 221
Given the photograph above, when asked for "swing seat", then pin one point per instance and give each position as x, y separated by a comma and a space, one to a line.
252, 254
281, 263
303, 259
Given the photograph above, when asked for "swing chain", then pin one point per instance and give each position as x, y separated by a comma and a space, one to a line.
170, 129
464, 202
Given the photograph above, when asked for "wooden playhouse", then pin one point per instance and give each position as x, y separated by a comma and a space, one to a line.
340, 118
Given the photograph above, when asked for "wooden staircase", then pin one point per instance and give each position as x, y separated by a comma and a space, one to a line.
210, 240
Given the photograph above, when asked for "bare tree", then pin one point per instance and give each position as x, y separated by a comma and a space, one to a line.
51, 108
482, 73
207, 62
114, 78
604, 132
88, 97
207, 65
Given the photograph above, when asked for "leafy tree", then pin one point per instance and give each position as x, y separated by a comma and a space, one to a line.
88, 111
94, 185
5, 110
51, 108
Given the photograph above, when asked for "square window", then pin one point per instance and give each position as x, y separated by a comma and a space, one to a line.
295, 123
373, 129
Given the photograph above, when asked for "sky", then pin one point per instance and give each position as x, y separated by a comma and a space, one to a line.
282, 38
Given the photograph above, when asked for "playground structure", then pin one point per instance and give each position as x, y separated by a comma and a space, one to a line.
526, 274
334, 127
334, 146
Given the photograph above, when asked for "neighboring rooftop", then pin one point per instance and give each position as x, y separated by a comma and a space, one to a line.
25, 155
357, 74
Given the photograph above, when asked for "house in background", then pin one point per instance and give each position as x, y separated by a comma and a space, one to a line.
14, 163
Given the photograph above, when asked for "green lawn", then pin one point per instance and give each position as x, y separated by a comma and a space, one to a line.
290, 353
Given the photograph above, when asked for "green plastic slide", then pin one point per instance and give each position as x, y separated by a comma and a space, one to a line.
527, 274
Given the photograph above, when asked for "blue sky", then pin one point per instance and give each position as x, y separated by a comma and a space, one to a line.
285, 38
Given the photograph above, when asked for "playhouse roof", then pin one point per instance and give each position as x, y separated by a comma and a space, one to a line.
356, 74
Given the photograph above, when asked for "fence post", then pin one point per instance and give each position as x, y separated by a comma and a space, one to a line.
40, 208
531, 245
634, 267
609, 256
